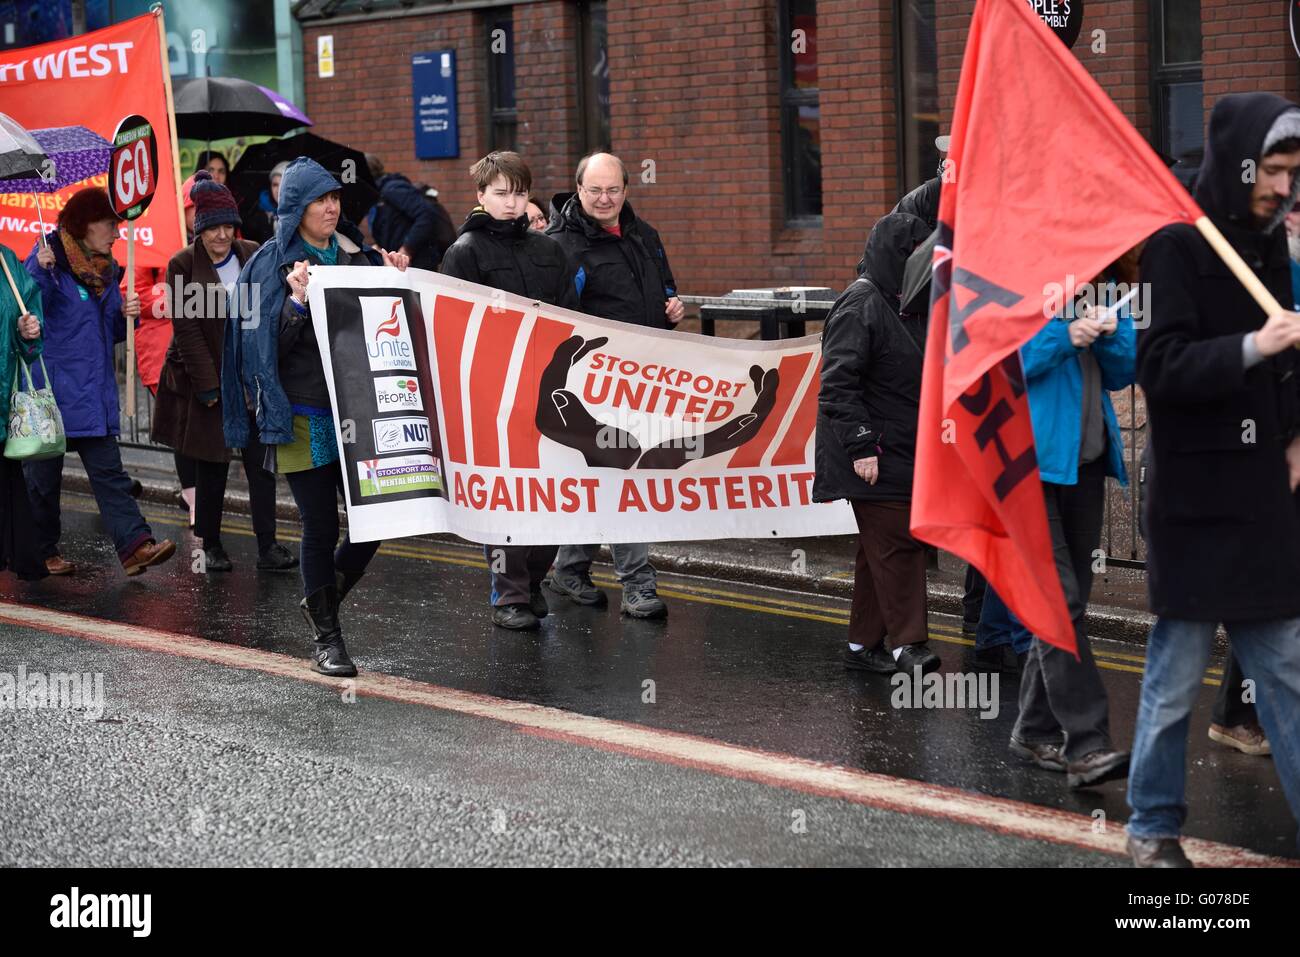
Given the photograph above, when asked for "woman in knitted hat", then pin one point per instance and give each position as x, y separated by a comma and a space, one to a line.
188, 414
85, 314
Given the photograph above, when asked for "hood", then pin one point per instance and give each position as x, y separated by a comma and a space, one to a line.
480, 218
1241, 125
892, 240
571, 215
305, 180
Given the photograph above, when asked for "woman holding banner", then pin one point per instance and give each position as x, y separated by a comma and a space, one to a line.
85, 314
20, 335
271, 356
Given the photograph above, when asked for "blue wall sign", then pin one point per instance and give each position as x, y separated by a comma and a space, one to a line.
433, 90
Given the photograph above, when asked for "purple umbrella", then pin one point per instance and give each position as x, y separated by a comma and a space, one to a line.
77, 153
285, 107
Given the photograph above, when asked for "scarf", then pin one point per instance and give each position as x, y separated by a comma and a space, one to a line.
93, 269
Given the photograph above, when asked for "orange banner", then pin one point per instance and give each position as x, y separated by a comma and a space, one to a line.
94, 80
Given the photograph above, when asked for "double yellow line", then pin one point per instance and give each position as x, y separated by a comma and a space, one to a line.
470, 556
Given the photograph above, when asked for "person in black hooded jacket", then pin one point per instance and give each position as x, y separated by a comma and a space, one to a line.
496, 248
866, 449
1223, 532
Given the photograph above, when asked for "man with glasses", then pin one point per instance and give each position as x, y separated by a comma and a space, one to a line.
621, 273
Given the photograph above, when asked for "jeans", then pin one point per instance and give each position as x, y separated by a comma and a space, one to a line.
102, 459
999, 626
1177, 653
316, 492
631, 563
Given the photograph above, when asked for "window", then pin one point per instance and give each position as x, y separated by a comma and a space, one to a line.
1177, 101
503, 118
593, 83
801, 150
918, 94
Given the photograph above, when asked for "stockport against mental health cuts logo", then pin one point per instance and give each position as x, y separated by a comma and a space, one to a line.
388, 338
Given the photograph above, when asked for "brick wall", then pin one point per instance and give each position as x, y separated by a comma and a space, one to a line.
695, 90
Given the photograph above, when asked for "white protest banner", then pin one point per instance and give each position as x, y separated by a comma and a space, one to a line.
463, 409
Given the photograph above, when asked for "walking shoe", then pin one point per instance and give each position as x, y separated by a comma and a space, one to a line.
330, 655
877, 659
136, 488
916, 656
150, 553
1046, 754
578, 587
277, 558
56, 565
1246, 738
1157, 852
643, 603
215, 559
515, 617
537, 602
1097, 766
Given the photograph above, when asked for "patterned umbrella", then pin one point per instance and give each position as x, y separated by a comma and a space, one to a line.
77, 154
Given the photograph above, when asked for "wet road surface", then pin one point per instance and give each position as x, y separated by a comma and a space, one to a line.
247, 760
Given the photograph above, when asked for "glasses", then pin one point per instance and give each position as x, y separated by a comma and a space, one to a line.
613, 192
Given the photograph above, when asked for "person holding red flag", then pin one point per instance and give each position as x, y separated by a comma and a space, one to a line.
1223, 406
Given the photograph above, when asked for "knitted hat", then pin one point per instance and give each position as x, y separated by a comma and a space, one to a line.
214, 205
86, 206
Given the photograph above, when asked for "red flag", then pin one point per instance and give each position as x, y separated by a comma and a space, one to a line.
1047, 180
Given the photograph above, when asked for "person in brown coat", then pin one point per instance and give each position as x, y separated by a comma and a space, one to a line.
188, 413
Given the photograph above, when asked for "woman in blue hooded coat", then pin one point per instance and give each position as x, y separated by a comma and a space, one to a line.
271, 356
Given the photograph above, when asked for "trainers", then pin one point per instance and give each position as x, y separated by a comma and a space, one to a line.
1096, 767
1046, 754
277, 558
1246, 738
515, 617
579, 588
643, 603
537, 602
150, 553
215, 559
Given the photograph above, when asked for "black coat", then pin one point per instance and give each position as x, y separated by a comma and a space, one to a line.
872, 360
404, 218
507, 255
625, 277
1223, 534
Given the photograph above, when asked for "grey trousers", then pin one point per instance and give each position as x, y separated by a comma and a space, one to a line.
517, 571
1062, 698
631, 563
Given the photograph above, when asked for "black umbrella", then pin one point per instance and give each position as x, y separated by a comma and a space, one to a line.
915, 298
219, 107
252, 173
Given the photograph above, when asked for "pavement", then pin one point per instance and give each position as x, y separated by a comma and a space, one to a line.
729, 735
822, 565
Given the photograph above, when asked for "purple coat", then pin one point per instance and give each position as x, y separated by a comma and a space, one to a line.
80, 331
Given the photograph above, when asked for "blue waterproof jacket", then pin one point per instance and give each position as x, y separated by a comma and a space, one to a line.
1055, 385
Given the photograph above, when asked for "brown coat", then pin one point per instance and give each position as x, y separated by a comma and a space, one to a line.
193, 363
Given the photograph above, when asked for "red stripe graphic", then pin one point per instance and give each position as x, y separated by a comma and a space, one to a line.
487, 381
522, 427
450, 320
794, 447
792, 369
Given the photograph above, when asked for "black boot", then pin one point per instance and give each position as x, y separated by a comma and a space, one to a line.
345, 581
321, 609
